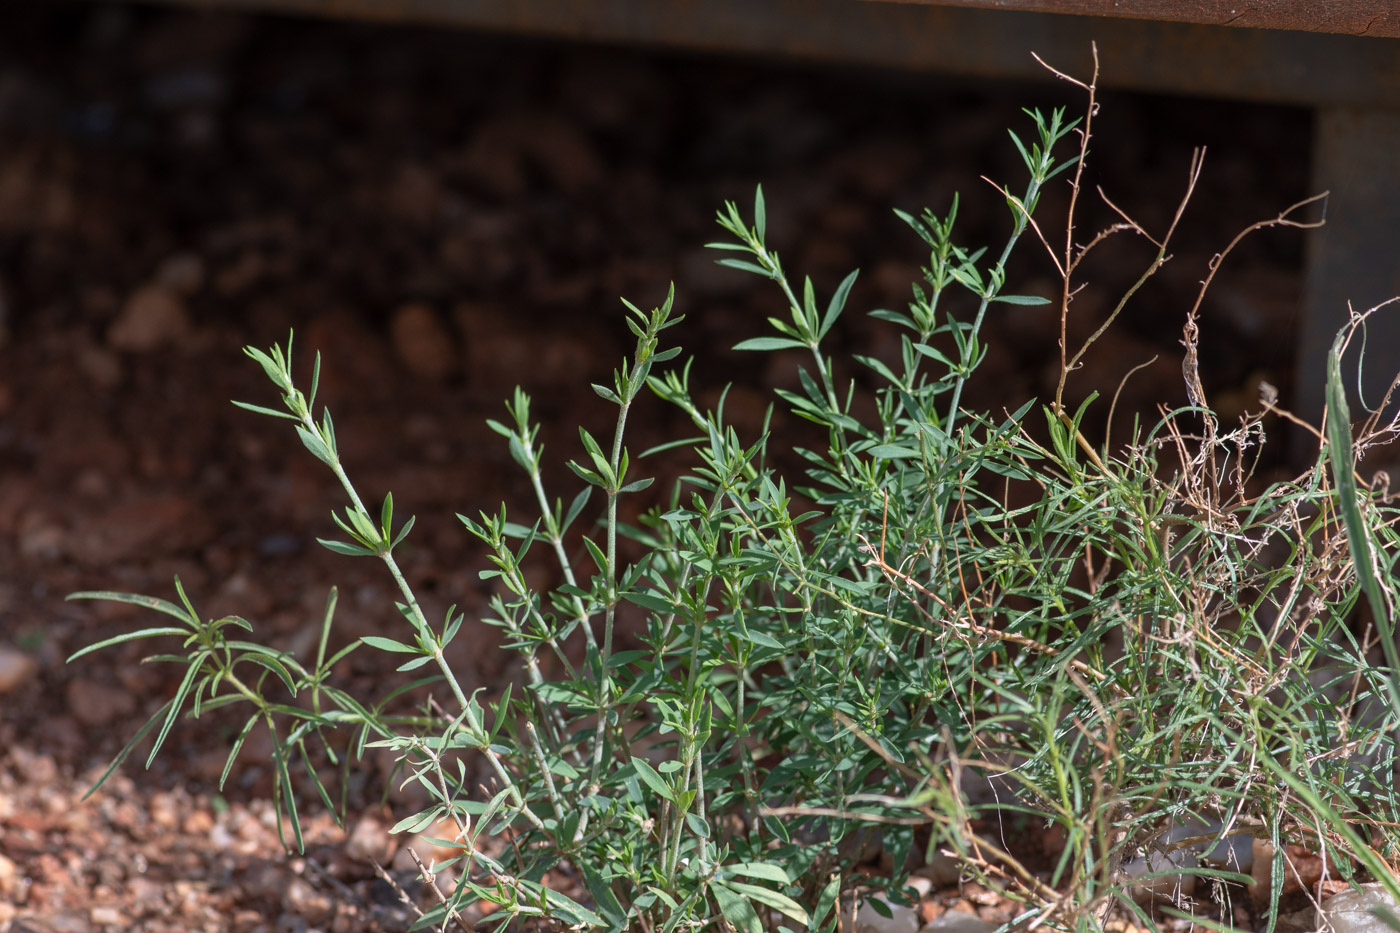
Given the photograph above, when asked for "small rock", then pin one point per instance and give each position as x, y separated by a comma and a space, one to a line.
101, 366
153, 317
1304, 920
900, 920
143, 525
34, 768
41, 536
552, 144
164, 810
369, 841
1166, 883
414, 194
921, 886
145, 895
93, 483
65, 921
16, 668
1169, 883
943, 869
95, 704
9, 878
1233, 853
264, 880
241, 273
955, 921
423, 343
182, 273
197, 822
1302, 869
1350, 912
108, 917
426, 845
307, 901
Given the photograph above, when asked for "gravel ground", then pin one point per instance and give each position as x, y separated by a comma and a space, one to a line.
443, 216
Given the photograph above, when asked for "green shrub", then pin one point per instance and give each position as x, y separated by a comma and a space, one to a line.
1115, 640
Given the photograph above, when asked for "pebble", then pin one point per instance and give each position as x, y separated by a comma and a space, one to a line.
553, 145
164, 810
943, 869
429, 852
1350, 911
108, 917
415, 194
901, 919
182, 273
102, 367
16, 669
955, 921
1166, 884
138, 526
369, 841
1233, 853
95, 704
921, 886
1303, 869
423, 342
41, 536
153, 317
9, 878
307, 901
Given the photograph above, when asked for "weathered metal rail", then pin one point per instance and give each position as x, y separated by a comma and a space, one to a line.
1339, 57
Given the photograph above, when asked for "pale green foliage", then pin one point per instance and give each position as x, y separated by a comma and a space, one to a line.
1133, 645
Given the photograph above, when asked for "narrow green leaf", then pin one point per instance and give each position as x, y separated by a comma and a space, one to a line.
313, 443
736, 908
248, 725
388, 644
837, 303
573, 912
1339, 452
135, 599
177, 703
817, 923
128, 748
403, 532
652, 601
653, 780
575, 507
349, 550
743, 266
763, 871
259, 409
603, 896
129, 636
769, 343
774, 899
417, 822
386, 517
1026, 300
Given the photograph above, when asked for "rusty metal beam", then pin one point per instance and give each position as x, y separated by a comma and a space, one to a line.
1348, 17
1265, 65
